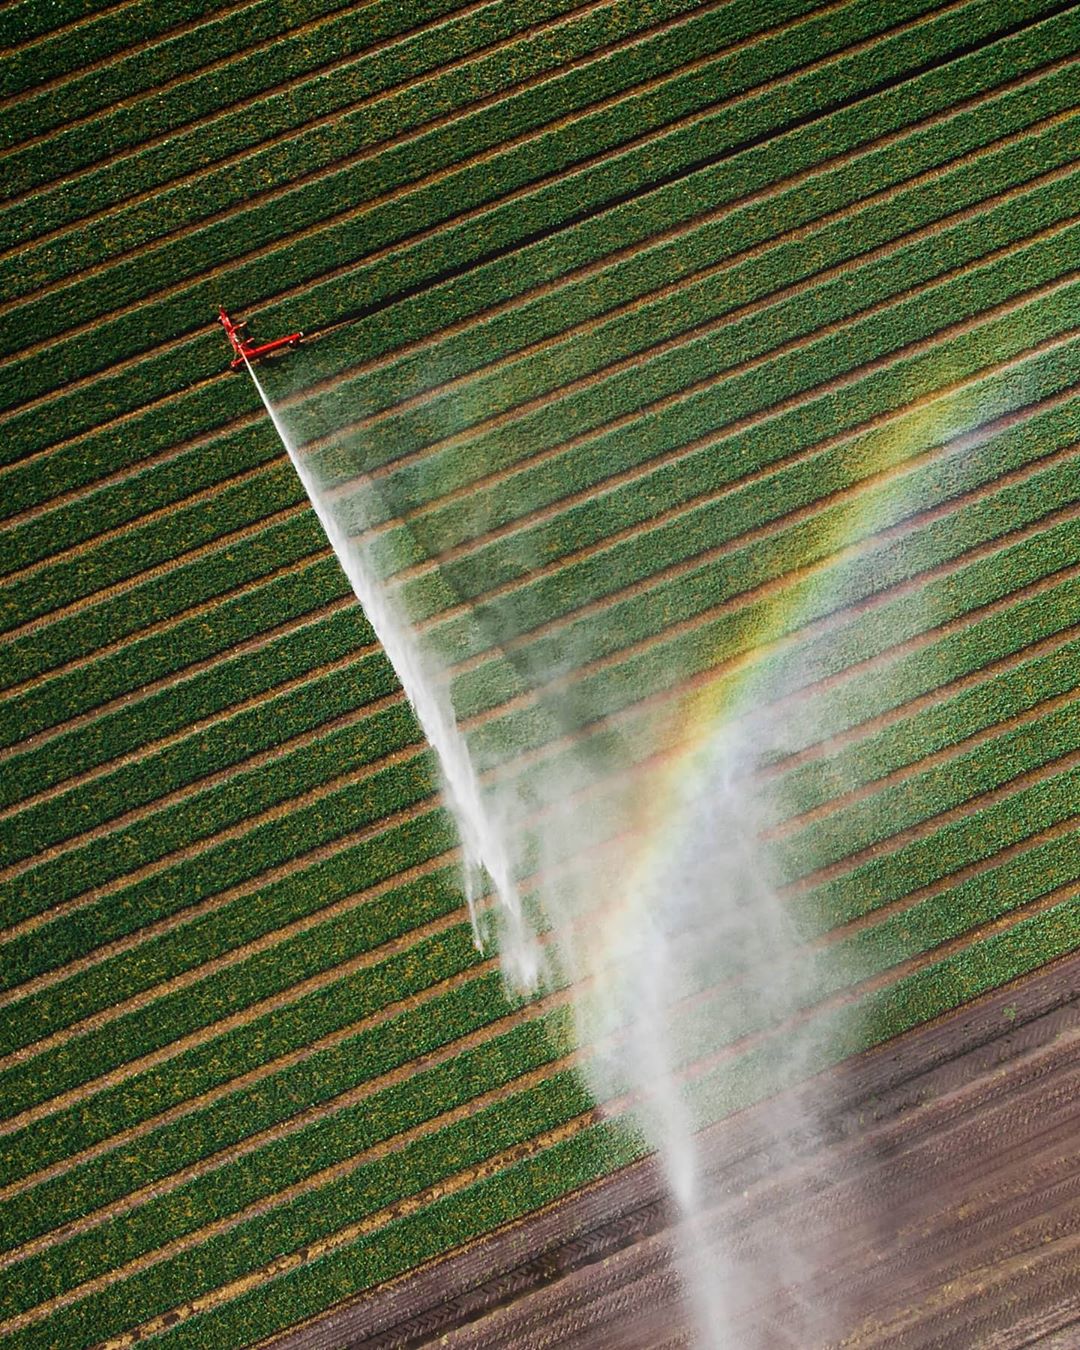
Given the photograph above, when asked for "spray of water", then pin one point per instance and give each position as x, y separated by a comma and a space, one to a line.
483, 846
651, 894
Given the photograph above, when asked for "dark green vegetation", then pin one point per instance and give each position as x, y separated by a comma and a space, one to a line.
678, 333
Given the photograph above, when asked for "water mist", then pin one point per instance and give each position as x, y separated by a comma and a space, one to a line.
483, 847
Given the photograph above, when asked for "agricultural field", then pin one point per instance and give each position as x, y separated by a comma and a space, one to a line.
691, 338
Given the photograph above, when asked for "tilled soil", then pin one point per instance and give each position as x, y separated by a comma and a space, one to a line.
933, 1201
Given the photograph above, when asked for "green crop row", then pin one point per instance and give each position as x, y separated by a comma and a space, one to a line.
624, 623
628, 561
144, 658
902, 744
914, 999
651, 669
254, 1042
950, 658
350, 742
698, 482
578, 301
130, 552
722, 522
378, 97
932, 303
697, 308
48, 54
713, 375
200, 697
962, 777
329, 1142
548, 259
150, 544
340, 1137
801, 368
311, 1080
513, 222
268, 50
977, 835
720, 236
659, 665
882, 390
225, 569
322, 703
271, 838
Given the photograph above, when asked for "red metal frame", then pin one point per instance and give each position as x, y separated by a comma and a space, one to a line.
244, 350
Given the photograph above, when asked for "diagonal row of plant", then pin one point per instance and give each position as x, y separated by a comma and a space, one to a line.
54, 46
40, 1082
902, 300
337, 1138
611, 177
134, 93
634, 558
790, 544
955, 655
518, 1186
362, 1189
746, 173
381, 96
967, 293
254, 498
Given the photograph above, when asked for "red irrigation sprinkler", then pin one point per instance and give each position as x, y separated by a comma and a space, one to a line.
247, 351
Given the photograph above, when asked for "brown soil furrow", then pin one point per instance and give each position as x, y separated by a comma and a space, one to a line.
234, 1288
506, 419
216, 902
791, 824
344, 1237
71, 552
474, 161
282, 998
750, 254
297, 133
264, 1206
111, 705
219, 64
945, 1055
250, 763
130, 49
545, 288
344, 1101
215, 1094
591, 268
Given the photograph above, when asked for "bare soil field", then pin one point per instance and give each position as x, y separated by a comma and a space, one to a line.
937, 1204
